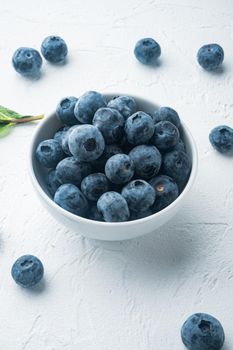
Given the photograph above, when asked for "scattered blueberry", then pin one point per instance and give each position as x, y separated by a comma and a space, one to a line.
166, 114
49, 153
60, 134
94, 185
166, 191
202, 332
147, 50
86, 142
126, 105
139, 128
53, 182
119, 169
87, 105
210, 56
70, 198
139, 195
221, 138
147, 160
177, 165
72, 171
27, 271
27, 62
54, 49
65, 110
111, 124
166, 136
113, 207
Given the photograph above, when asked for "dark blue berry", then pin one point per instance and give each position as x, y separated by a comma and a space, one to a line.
166, 136
140, 215
147, 161
126, 105
147, 50
109, 151
111, 124
27, 271
54, 49
166, 114
65, 140
49, 153
53, 182
60, 134
139, 128
87, 105
70, 198
139, 195
113, 207
166, 191
119, 169
72, 171
210, 56
27, 62
94, 185
221, 138
94, 213
202, 332
65, 110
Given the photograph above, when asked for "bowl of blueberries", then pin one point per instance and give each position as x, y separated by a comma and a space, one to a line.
112, 166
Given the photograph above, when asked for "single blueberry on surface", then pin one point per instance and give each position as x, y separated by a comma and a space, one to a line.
60, 134
65, 110
221, 138
202, 332
72, 171
139, 195
139, 128
87, 105
147, 161
70, 198
210, 56
166, 136
147, 50
27, 271
166, 114
27, 61
110, 123
86, 142
94, 185
49, 153
126, 105
177, 165
166, 191
54, 49
113, 207
119, 169
109, 151
53, 182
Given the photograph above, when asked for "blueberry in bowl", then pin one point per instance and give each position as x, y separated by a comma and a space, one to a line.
108, 187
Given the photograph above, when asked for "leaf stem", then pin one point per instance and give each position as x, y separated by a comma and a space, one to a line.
26, 119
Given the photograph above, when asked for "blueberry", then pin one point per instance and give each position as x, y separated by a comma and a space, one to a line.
166, 191
147, 50
139, 128
139, 195
54, 49
53, 182
87, 105
27, 271
94, 185
111, 124
49, 153
202, 332
166, 114
65, 140
180, 146
119, 169
166, 136
94, 213
210, 56
65, 110
126, 105
147, 160
177, 165
71, 170
86, 142
70, 198
221, 138
140, 215
27, 62
60, 134
113, 207
109, 151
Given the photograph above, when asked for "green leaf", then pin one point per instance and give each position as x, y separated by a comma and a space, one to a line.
6, 114
5, 129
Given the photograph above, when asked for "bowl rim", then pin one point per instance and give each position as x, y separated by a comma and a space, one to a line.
77, 218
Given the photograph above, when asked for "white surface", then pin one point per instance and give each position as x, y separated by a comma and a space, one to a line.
132, 295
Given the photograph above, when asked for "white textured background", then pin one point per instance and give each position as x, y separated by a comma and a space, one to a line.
133, 295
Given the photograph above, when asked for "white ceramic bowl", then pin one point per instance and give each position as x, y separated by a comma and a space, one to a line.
104, 230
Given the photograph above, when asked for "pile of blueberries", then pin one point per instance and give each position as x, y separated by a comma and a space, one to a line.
111, 162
